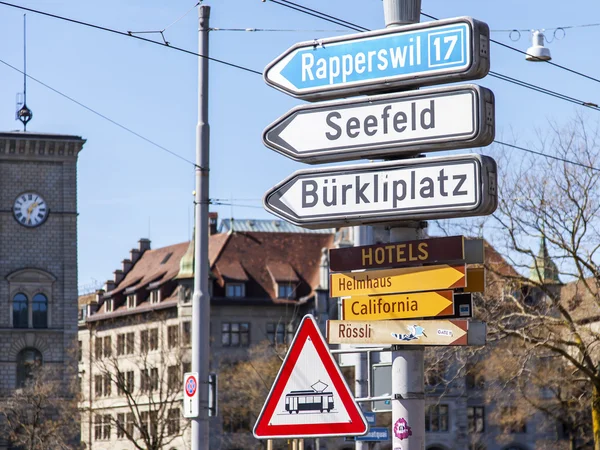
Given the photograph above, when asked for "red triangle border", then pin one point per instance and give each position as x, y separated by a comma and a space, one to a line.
357, 425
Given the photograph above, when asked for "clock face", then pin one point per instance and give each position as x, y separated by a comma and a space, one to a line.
30, 209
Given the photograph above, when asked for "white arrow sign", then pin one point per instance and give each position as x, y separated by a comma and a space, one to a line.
456, 186
384, 125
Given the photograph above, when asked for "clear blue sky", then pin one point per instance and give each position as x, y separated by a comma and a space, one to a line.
129, 189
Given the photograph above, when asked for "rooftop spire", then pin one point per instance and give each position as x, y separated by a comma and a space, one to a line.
544, 270
24, 114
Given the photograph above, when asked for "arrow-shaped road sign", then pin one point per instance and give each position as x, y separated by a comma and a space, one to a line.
443, 51
398, 306
407, 332
407, 279
432, 188
384, 125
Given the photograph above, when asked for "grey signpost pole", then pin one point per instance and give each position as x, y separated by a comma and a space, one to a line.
408, 407
201, 299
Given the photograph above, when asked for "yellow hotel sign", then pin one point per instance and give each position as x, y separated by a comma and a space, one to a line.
407, 279
398, 306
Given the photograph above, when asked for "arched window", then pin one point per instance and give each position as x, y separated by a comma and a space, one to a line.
20, 311
27, 360
40, 311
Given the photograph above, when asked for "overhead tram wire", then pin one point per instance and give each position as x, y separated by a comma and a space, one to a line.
114, 122
131, 35
299, 8
524, 84
360, 28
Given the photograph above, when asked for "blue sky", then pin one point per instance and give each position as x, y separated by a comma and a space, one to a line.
129, 189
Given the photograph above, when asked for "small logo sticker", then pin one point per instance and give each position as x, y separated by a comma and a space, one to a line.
401, 429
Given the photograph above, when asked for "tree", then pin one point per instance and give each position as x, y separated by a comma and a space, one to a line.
547, 227
40, 415
148, 383
243, 389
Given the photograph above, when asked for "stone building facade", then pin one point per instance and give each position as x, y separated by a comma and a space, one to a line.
38, 255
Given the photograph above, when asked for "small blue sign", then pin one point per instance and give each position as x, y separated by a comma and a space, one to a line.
375, 434
384, 56
370, 416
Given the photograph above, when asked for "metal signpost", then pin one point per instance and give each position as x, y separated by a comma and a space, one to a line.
418, 281
385, 125
432, 188
443, 51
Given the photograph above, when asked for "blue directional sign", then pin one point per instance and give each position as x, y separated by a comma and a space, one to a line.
375, 434
414, 55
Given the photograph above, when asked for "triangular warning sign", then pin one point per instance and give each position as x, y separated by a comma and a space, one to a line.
309, 397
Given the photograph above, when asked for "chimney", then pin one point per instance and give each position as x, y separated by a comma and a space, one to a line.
213, 218
109, 286
100, 293
127, 265
144, 245
118, 276
134, 255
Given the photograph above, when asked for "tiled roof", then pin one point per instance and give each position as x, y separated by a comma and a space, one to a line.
161, 264
581, 301
266, 226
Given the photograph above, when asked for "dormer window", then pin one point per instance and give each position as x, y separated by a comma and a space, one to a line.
285, 290
155, 296
108, 305
131, 301
234, 290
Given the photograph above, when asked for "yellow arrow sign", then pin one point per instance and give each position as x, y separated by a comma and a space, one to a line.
401, 332
407, 279
398, 306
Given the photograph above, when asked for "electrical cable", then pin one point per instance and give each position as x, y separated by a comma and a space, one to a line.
304, 10
114, 122
538, 59
129, 34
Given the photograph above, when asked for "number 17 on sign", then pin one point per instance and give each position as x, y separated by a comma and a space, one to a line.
191, 400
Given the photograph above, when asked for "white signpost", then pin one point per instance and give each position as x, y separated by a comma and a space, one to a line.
385, 125
422, 54
455, 186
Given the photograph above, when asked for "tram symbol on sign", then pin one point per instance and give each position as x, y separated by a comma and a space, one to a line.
315, 400
190, 386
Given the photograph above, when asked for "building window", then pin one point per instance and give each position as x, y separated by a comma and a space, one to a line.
79, 351
154, 296
186, 333
285, 291
144, 416
125, 382
27, 361
131, 301
98, 385
20, 311
474, 377
235, 334
40, 311
120, 344
173, 418
436, 418
107, 346
98, 427
108, 305
173, 378
153, 341
129, 343
173, 336
98, 347
106, 427
276, 333
476, 419
234, 290
107, 384
129, 424
120, 425
149, 379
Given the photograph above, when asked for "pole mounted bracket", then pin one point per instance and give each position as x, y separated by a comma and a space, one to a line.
410, 396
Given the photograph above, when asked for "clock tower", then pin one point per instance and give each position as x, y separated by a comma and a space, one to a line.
38, 255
